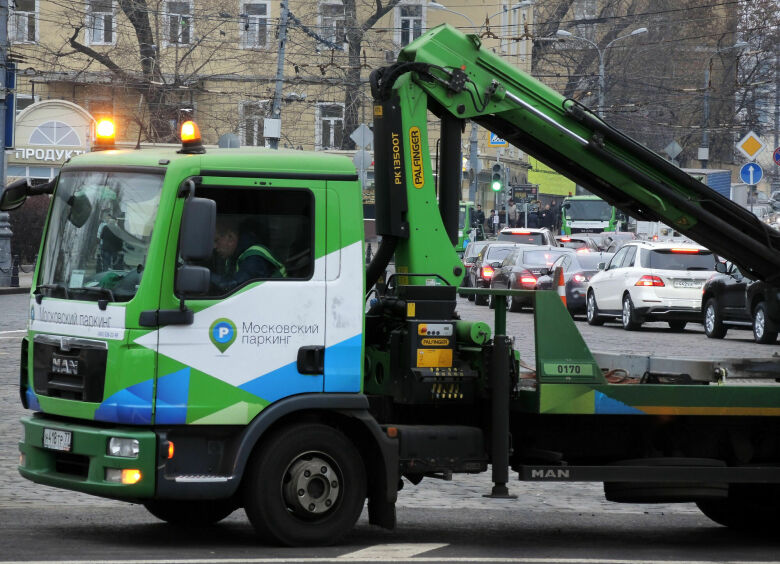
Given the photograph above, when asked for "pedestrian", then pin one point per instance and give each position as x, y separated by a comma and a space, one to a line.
511, 211
479, 218
545, 217
556, 216
494, 219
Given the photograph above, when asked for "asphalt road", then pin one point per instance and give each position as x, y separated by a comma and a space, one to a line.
438, 521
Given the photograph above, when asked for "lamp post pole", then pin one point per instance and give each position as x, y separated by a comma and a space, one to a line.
601, 53
704, 150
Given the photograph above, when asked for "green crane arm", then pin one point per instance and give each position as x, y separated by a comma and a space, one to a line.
451, 75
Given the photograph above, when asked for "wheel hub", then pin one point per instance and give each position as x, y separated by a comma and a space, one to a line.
311, 486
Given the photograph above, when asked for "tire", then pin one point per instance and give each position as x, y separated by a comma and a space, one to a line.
188, 513
592, 310
514, 303
629, 318
713, 323
480, 300
304, 486
748, 507
760, 332
677, 326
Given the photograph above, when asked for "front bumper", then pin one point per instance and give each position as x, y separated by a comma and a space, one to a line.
84, 467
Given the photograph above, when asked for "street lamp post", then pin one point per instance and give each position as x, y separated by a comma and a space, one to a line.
704, 150
601, 52
473, 139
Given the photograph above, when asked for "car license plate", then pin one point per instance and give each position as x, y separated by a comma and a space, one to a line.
687, 284
55, 439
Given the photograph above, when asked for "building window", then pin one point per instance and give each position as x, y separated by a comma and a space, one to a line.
179, 16
24, 101
252, 116
410, 23
100, 22
330, 126
24, 21
55, 133
332, 21
254, 24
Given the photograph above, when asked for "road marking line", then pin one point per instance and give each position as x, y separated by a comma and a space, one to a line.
392, 551
14, 331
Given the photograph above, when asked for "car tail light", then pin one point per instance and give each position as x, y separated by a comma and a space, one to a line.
519, 232
686, 251
579, 278
648, 280
583, 250
487, 272
526, 279
565, 239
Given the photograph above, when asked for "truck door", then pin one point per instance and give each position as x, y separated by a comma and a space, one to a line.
259, 334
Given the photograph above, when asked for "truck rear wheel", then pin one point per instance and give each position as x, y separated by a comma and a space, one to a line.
305, 486
191, 513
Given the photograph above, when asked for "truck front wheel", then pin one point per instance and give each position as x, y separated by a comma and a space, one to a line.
748, 507
191, 513
304, 486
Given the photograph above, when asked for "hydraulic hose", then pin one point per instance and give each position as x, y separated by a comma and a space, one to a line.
381, 259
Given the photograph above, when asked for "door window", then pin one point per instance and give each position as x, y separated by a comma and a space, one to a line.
263, 234
617, 259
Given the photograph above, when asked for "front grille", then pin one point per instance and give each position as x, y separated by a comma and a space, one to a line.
71, 464
86, 373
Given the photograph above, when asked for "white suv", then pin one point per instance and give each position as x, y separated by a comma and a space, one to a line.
650, 281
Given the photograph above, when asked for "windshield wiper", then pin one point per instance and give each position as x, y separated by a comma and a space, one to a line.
96, 290
39, 287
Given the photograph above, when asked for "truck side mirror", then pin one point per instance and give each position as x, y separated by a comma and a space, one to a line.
192, 280
198, 224
565, 206
14, 195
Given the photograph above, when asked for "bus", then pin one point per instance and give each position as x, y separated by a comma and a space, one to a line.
465, 227
589, 214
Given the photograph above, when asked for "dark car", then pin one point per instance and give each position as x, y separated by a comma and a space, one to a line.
527, 236
578, 242
490, 257
520, 270
469, 258
577, 270
730, 300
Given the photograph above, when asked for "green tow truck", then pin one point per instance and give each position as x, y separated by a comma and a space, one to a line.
158, 376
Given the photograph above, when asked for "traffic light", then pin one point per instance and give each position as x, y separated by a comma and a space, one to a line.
497, 182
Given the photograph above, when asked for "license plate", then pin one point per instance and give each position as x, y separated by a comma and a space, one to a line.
687, 284
56, 439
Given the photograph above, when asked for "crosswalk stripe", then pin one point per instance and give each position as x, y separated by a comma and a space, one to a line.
391, 551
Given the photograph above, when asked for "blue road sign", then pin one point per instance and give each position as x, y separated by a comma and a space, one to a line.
496, 141
10, 104
751, 173
776, 156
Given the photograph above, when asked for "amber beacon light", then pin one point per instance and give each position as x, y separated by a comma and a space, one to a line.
105, 135
190, 138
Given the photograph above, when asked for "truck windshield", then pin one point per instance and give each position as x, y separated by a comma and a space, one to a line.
589, 210
98, 235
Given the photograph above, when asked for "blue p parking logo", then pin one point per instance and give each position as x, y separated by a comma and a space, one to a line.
222, 333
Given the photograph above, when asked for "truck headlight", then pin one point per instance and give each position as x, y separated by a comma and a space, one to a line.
126, 448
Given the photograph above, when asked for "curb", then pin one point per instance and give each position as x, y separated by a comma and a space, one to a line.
8, 291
